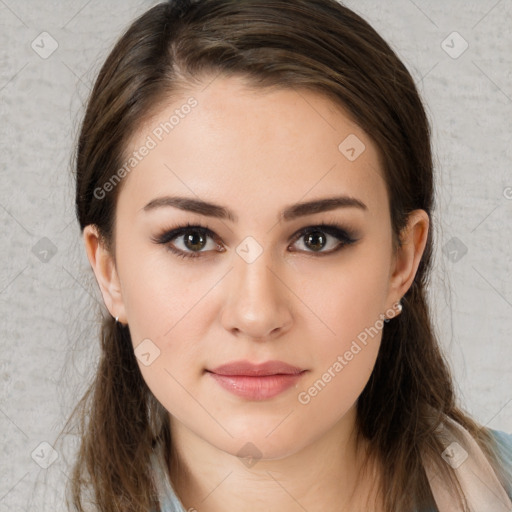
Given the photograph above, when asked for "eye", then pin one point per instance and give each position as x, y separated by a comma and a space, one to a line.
194, 240
316, 238
191, 240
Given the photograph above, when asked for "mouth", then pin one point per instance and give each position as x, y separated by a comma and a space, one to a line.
256, 381
257, 369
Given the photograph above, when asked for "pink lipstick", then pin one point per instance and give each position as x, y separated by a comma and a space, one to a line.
256, 381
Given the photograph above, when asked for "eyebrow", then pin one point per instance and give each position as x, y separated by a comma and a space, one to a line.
289, 213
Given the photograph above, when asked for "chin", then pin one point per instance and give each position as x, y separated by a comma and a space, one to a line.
259, 445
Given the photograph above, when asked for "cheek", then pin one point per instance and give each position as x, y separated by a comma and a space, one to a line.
176, 352
160, 293
346, 296
349, 306
342, 369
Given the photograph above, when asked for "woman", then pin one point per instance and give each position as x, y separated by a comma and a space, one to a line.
255, 190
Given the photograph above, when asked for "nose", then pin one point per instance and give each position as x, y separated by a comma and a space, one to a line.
258, 301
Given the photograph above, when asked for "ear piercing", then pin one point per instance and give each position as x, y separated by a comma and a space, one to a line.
399, 308
118, 322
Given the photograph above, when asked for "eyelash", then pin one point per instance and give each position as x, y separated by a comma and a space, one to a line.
343, 235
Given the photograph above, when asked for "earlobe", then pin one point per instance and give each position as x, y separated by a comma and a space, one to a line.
104, 269
409, 253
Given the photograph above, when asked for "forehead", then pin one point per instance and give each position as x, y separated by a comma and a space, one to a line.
255, 149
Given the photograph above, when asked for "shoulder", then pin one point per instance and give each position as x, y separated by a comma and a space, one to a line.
503, 448
503, 445
503, 442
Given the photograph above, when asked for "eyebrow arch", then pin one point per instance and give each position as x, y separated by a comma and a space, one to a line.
289, 213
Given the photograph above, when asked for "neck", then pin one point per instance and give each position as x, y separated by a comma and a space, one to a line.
323, 475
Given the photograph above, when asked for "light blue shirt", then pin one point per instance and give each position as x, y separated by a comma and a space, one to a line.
169, 502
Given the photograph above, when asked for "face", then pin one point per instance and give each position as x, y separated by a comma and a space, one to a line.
309, 287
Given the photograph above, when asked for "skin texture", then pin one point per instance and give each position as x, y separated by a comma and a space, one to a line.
257, 152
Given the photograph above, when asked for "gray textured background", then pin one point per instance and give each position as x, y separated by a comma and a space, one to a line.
48, 298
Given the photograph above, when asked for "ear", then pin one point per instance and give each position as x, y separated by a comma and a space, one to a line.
102, 263
408, 254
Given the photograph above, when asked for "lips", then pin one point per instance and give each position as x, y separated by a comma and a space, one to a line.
256, 381
251, 369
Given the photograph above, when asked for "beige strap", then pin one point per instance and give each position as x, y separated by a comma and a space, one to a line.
481, 486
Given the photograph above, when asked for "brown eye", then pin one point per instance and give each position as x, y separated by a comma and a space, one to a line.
194, 240
191, 241
316, 238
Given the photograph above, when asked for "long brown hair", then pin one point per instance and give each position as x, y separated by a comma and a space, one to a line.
316, 45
